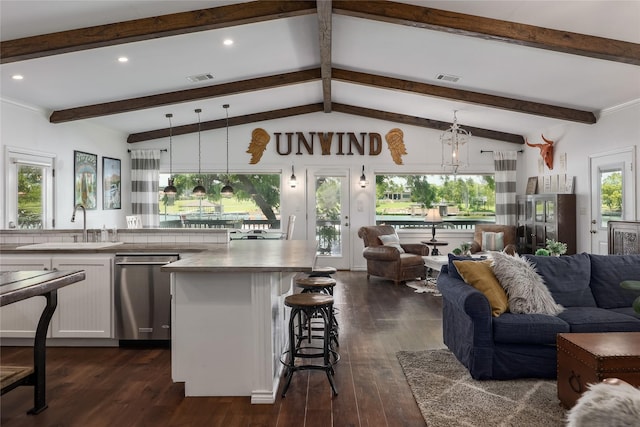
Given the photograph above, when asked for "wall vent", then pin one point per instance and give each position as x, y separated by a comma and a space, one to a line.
447, 78
200, 78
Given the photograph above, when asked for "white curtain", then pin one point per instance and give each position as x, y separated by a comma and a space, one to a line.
505, 165
145, 174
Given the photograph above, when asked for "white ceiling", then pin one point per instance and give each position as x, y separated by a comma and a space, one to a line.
290, 44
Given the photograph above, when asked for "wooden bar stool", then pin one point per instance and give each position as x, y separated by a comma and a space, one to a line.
303, 344
322, 272
324, 285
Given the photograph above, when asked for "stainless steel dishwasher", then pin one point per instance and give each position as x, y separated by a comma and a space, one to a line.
142, 298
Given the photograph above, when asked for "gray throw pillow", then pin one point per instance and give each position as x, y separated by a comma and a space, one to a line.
525, 289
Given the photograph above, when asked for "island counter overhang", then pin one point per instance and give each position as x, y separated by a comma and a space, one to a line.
228, 316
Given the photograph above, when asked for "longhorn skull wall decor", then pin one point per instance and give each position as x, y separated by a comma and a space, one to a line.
546, 151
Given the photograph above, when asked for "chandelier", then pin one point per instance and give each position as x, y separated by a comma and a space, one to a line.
454, 140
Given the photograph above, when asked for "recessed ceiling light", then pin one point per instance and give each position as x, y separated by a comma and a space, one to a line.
17, 77
227, 42
123, 59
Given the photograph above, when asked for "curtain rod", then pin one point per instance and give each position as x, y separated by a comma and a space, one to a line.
162, 149
491, 151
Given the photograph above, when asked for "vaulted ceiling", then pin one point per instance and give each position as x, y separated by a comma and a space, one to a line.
508, 68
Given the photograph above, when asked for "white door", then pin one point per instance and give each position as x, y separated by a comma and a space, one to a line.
328, 216
612, 193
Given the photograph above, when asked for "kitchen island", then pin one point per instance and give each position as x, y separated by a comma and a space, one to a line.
228, 316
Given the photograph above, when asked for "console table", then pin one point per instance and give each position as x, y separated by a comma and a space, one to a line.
19, 285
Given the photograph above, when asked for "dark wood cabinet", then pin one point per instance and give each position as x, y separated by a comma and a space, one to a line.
546, 216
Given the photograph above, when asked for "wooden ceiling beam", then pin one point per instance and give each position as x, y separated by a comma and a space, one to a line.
324, 33
133, 104
492, 29
221, 123
516, 105
314, 108
426, 123
150, 28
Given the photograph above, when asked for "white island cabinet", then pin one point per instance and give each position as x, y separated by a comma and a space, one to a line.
84, 308
228, 316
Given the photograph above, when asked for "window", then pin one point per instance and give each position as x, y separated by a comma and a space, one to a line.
29, 184
463, 200
254, 205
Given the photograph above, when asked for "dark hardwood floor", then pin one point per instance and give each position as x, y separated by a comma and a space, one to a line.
133, 387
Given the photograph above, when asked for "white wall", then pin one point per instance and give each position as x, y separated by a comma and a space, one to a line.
22, 126
28, 128
615, 129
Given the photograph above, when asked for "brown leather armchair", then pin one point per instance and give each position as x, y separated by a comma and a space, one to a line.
509, 237
387, 261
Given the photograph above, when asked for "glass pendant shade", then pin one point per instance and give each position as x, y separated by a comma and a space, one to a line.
227, 191
170, 189
293, 181
363, 179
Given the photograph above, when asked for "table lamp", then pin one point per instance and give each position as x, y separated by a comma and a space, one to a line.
433, 217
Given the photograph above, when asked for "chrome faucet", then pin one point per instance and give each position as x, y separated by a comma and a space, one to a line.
84, 220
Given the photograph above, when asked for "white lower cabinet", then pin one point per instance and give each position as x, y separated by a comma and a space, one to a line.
84, 308
20, 319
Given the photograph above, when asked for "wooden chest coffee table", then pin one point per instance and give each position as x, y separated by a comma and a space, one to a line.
591, 357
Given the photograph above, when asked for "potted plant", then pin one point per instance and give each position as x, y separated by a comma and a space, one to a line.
633, 285
542, 252
556, 248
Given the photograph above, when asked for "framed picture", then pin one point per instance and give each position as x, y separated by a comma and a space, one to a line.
85, 175
532, 185
111, 183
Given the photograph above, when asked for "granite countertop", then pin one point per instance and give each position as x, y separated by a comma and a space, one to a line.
18, 285
250, 256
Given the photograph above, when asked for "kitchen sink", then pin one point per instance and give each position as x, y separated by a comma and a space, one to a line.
70, 245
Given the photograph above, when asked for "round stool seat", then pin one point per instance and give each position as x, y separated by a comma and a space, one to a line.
308, 300
316, 283
322, 272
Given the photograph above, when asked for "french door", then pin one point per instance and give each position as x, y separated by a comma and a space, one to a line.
612, 193
328, 216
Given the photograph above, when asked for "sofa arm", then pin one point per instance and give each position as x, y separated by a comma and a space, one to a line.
415, 248
467, 298
381, 253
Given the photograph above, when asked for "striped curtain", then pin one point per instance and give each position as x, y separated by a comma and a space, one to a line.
505, 165
145, 174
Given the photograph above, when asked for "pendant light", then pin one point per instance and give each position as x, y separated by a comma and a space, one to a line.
453, 141
170, 189
199, 190
363, 179
293, 181
227, 190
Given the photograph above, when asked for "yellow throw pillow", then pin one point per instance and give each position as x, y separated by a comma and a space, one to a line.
480, 275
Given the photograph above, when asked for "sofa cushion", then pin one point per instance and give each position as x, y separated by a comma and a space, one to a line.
453, 271
528, 328
567, 278
391, 240
525, 288
594, 319
492, 241
629, 311
480, 276
607, 271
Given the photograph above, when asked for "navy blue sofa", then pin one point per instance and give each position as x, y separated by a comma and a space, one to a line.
524, 345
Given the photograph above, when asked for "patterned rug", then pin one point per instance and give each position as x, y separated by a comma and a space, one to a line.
448, 396
422, 286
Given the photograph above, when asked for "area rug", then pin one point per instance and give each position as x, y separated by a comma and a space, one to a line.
448, 396
424, 286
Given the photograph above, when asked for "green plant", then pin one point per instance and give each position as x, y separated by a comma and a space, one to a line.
465, 247
543, 252
633, 285
556, 248
456, 251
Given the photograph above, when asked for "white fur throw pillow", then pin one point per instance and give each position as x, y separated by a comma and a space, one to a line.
525, 289
603, 404
391, 240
